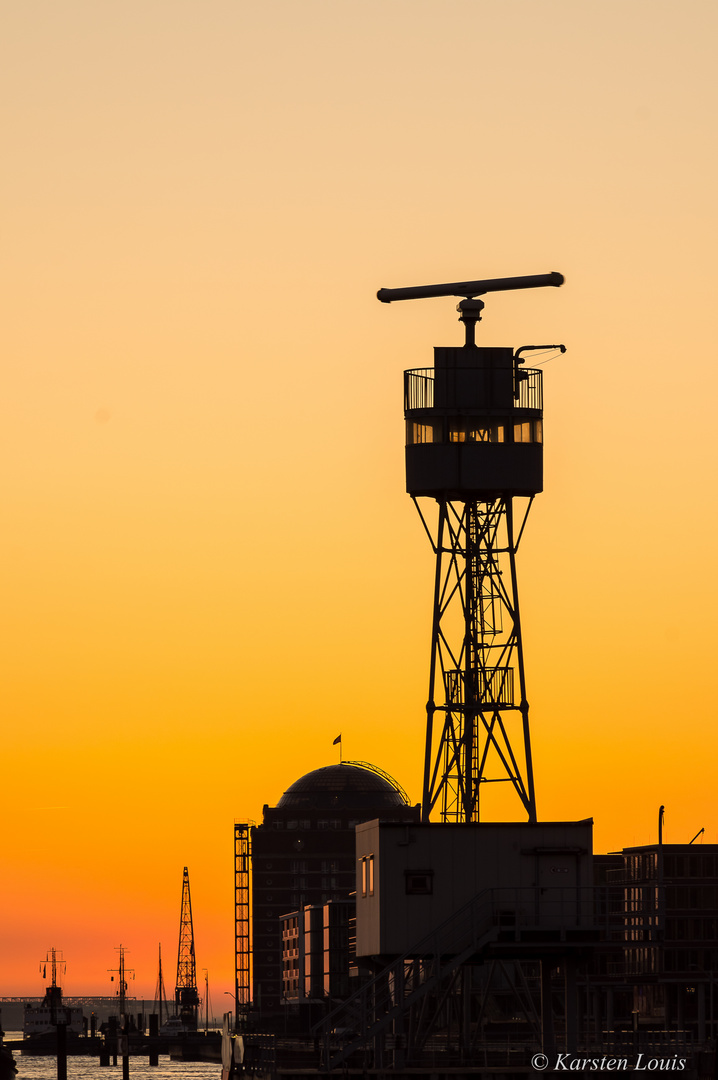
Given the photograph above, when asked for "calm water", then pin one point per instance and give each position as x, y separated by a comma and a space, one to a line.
89, 1068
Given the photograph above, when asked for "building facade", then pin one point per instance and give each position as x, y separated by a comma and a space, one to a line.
303, 854
673, 970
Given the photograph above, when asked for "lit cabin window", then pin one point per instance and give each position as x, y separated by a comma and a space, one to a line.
417, 433
529, 431
471, 429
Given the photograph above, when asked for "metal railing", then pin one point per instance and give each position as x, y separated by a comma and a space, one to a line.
419, 388
492, 687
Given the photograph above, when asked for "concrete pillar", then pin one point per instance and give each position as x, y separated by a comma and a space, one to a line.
466, 1014
571, 992
548, 1038
701, 991
596, 995
680, 1018
399, 1040
61, 1051
609, 1012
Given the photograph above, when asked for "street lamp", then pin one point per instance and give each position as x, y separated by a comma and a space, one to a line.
236, 1008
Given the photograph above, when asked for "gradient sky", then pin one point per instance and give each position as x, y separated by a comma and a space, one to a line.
210, 566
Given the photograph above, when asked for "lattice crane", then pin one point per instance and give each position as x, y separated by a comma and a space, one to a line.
187, 998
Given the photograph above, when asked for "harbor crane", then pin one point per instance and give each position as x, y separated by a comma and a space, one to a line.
186, 996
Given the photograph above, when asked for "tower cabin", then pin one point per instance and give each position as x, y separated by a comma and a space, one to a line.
474, 425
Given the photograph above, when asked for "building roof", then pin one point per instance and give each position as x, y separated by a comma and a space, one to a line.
346, 786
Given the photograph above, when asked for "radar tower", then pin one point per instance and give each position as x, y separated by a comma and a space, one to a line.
474, 443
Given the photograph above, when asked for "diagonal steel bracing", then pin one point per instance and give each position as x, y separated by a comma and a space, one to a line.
477, 712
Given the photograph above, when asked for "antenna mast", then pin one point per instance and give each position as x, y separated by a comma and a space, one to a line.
55, 963
53, 992
122, 973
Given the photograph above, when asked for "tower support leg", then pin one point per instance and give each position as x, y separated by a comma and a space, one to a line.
477, 730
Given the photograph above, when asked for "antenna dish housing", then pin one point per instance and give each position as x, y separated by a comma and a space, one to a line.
470, 288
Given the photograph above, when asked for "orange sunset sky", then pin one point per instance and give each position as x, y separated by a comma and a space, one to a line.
210, 567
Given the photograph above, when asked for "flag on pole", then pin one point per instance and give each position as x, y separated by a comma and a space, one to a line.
337, 740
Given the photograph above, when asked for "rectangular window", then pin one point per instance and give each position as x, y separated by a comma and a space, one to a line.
418, 882
417, 433
528, 431
474, 429
367, 875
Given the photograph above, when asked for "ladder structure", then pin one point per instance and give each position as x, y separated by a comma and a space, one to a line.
242, 916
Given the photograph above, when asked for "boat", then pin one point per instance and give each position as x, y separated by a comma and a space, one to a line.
42, 1019
175, 1025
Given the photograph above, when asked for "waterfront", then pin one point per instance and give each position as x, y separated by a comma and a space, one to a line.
44, 1067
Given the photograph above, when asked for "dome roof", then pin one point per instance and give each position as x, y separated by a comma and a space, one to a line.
346, 786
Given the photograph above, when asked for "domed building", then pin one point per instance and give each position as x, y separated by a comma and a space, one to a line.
304, 853
350, 785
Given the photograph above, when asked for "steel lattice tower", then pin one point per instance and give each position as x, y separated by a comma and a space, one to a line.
474, 443
186, 995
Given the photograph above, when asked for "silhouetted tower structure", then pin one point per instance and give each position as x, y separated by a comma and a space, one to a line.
186, 995
53, 993
123, 973
160, 992
474, 442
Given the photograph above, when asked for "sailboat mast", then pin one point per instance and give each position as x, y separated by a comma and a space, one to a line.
158, 992
122, 981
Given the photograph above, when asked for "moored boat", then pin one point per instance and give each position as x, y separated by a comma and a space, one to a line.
42, 1019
